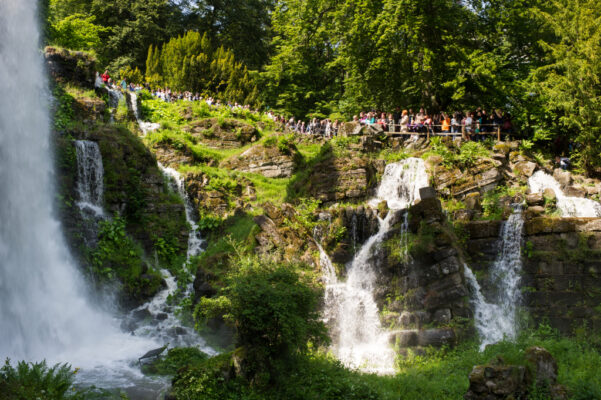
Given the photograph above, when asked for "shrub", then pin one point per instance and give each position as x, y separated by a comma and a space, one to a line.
275, 313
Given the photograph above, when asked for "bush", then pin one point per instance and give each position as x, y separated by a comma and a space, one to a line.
275, 314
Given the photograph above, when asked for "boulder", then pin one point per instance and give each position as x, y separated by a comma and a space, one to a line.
563, 177
524, 168
489, 382
271, 162
543, 366
436, 337
535, 199
575, 191
549, 194
472, 201
534, 211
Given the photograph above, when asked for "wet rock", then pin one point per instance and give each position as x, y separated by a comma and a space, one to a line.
407, 338
575, 191
427, 193
162, 316
140, 315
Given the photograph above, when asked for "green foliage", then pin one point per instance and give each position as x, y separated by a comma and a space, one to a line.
175, 359
37, 381
275, 314
77, 32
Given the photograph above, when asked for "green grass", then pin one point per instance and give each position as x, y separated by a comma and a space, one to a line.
439, 374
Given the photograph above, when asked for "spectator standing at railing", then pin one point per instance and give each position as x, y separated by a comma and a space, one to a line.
445, 123
105, 77
382, 121
404, 122
468, 126
455, 123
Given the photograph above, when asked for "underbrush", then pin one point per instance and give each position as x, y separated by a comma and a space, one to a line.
438, 374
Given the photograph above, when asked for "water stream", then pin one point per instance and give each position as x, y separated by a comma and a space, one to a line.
350, 310
145, 126
497, 319
90, 177
569, 206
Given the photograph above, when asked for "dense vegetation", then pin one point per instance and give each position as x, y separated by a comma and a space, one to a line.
537, 60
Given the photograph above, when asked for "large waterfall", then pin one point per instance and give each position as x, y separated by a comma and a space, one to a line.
497, 319
44, 311
350, 309
569, 206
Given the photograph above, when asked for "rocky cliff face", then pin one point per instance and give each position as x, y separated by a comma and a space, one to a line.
562, 271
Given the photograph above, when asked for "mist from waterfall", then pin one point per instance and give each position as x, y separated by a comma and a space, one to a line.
350, 311
44, 308
497, 319
569, 206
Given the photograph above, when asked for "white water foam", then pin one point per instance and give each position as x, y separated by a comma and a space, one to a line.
569, 206
498, 320
44, 308
350, 309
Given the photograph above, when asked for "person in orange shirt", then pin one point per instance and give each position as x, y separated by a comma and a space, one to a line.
446, 123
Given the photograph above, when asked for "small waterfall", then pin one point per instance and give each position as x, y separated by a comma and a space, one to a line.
569, 206
90, 177
195, 241
169, 327
498, 320
350, 309
405, 238
354, 232
145, 127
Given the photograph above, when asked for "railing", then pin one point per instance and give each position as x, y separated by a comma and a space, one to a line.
430, 130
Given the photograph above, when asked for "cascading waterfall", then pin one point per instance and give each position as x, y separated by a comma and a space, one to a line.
90, 175
569, 206
350, 309
166, 326
44, 311
498, 320
145, 127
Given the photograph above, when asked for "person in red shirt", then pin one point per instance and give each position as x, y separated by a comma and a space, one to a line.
105, 77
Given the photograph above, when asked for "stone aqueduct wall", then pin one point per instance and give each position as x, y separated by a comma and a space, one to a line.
561, 260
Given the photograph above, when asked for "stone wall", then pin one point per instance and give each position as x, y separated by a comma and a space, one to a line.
561, 260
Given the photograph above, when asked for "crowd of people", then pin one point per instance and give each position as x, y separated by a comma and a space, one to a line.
469, 125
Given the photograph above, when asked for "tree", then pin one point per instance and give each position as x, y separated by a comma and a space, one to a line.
77, 32
190, 62
568, 86
240, 25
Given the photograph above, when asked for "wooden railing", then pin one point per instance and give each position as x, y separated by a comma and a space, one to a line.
491, 129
